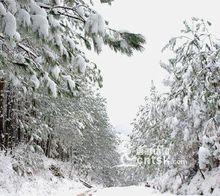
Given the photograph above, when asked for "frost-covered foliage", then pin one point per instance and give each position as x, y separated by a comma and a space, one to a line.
149, 136
75, 130
44, 34
174, 181
87, 137
188, 115
195, 91
43, 46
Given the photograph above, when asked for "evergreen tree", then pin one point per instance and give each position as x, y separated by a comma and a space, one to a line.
194, 92
150, 141
188, 118
43, 43
50, 86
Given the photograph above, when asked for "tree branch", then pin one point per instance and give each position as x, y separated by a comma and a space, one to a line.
42, 5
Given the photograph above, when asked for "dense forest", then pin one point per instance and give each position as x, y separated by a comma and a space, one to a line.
50, 100
54, 124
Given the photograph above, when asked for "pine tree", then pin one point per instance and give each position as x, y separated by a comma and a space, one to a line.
51, 86
44, 43
189, 114
193, 87
149, 137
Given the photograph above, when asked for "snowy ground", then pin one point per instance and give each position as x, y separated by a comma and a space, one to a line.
41, 183
129, 191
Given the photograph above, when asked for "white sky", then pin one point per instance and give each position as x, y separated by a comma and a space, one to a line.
127, 79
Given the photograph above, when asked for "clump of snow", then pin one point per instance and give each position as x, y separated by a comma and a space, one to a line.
10, 25
204, 154
15, 81
79, 62
80, 11
95, 25
71, 84
40, 22
40, 25
37, 10
39, 60
124, 44
59, 2
12, 6
186, 103
186, 134
35, 81
51, 85
55, 72
50, 54
71, 43
17, 36
216, 152
173, 125
23, 18
59, 43
2, 10
98, 43
54, 22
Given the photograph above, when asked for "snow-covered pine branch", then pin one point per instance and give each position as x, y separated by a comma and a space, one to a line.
56, 32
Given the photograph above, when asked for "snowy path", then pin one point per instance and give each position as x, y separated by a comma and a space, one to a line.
128, 191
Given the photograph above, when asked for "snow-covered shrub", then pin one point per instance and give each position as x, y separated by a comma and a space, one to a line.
26, 161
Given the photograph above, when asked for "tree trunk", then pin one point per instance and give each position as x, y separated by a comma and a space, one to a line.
2, 131
9, 121
48, 147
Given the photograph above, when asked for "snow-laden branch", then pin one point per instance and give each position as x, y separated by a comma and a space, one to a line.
74, 9
25, 48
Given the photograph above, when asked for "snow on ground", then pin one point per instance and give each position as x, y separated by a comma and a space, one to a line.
208, 186
41, 183
129, 191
